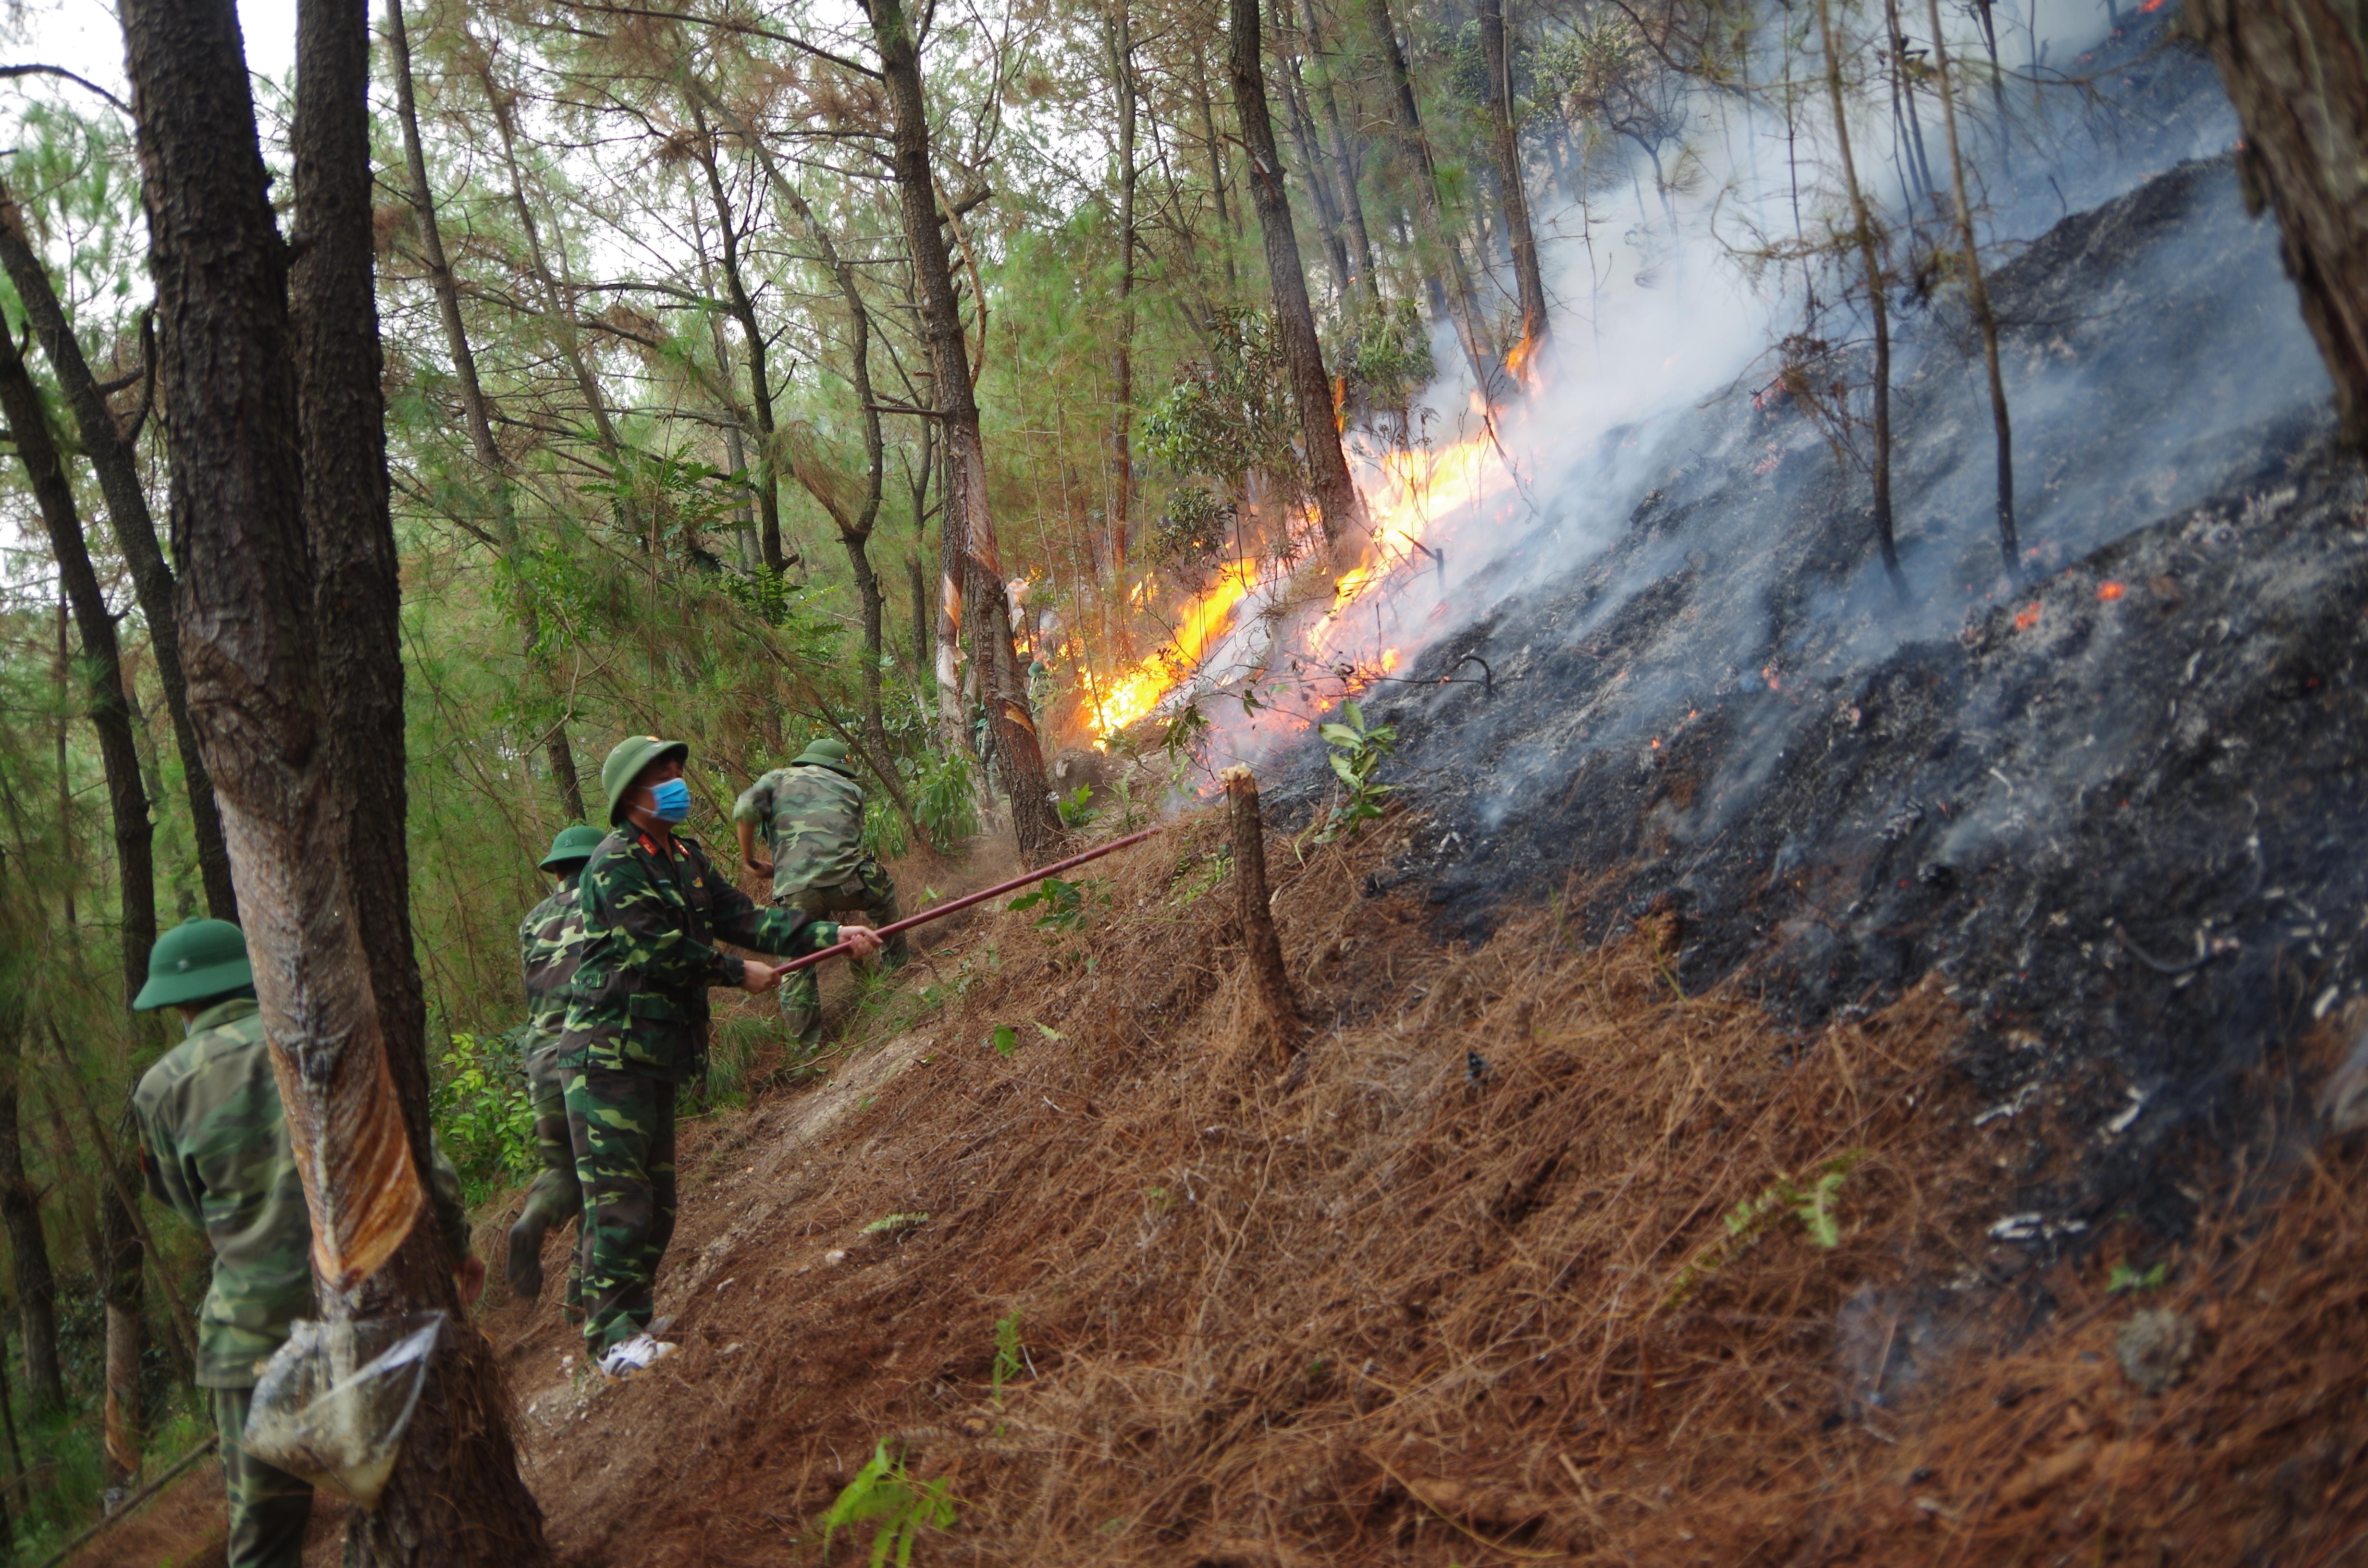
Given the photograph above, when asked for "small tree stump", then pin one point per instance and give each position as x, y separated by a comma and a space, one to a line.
1268, 977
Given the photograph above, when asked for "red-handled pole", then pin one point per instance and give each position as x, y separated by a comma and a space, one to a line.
999, 889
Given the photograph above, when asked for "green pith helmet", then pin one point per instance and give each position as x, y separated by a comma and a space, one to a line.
572, 847
826, 754
625, 763
195, 960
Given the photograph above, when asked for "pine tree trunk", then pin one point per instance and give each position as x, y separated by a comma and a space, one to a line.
970, 526
1317, 180
1122, 50
28, 1253
110, 715
752, 339
120, 1290
1504, 143
854, 528
118, 1261
1336, 494
312, 795
474, 405
1978, 294
1451, 285
2298, 70
1869, 241
1344, 165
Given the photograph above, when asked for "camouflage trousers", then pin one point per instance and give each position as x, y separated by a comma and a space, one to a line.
555, 1200
268, 1508
622, 1127
872, 891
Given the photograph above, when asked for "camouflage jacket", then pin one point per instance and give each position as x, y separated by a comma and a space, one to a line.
652, 917
811, 818
213, 1141
550, 940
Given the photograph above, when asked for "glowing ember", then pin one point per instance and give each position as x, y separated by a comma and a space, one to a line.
2109, 591
2026, 617
1133, 695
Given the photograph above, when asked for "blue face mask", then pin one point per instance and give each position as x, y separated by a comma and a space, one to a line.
671, 801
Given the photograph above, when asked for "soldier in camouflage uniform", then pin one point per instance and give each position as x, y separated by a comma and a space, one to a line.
811, 813
654, 906
549, 939
214, 1146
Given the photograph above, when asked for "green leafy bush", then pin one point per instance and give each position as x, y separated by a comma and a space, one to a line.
484, 1118
942, 800
883, 828
1358, 753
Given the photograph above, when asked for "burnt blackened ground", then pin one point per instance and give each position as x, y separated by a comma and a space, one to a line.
2111, 800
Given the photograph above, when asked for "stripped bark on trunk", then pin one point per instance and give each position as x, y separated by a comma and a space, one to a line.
312, 803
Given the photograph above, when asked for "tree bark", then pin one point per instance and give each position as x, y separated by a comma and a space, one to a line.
28, 1253
110, 454
117, 1267
1336, 494
259, 659
1868, 239
1442, 259
1270, 979
1978, 294
969, 525
1505, 143
2298, 70
474, 405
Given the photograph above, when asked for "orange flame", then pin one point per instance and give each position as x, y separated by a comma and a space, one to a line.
1136, 693
1402, 501
1518, 362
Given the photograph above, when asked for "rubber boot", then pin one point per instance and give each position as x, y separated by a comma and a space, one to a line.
523, 1263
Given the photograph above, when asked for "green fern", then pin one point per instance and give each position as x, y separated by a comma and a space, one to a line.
885, 1495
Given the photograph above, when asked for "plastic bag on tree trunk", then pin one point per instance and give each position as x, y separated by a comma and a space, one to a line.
334, 1401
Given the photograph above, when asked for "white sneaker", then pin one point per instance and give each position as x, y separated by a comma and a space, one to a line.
638, 1354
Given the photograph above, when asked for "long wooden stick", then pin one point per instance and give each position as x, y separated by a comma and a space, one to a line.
124, 1510
941, 911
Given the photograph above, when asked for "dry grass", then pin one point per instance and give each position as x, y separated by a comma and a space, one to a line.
1394, 1314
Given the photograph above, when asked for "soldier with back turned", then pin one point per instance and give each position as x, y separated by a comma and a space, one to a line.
213, 1145
811, 815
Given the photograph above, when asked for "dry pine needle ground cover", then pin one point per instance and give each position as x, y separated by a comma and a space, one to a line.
1649, 1282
